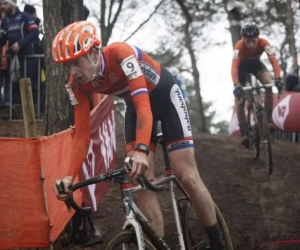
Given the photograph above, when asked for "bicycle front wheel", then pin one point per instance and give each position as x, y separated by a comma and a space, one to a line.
265, 140
126, 240
193, 232
253, 133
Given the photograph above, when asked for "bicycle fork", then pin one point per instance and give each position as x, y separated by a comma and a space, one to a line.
134, 218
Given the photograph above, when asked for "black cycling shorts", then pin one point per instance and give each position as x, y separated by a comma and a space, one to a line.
168, 106
253, 67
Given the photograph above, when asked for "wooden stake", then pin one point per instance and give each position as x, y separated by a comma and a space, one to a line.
28, 108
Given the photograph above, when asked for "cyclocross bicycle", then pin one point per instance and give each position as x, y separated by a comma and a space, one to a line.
258, 125
137, 232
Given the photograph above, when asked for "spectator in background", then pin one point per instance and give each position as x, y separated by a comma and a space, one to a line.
38, 50
20, 32
292, 83
30, 9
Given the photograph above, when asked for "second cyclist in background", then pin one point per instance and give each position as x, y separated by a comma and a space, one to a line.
246, 59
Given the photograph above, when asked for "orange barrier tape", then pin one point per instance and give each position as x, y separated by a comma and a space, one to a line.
30, 214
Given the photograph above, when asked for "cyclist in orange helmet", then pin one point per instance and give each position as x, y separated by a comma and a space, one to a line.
246, 59
151, 94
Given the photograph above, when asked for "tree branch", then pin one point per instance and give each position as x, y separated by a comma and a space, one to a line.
110, 9
102, 20
112, 24
143, 23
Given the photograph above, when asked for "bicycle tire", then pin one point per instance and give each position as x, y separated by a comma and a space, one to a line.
265, 140
186, 230
126, 236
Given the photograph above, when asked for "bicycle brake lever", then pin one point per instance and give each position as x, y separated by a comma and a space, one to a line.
61, 189
128, 163
141, 181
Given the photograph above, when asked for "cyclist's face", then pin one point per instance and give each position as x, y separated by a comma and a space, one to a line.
80, 69
251, 43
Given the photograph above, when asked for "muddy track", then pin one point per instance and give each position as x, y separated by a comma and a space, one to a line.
257, 207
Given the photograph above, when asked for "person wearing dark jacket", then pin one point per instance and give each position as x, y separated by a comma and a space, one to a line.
19, 29
292, 83
38, 45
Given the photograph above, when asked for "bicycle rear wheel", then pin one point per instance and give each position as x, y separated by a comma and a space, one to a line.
126, 240
265, 140
193, 232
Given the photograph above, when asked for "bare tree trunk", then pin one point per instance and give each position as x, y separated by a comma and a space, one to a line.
106, 30
289, 27
59, 113
283, 58
196, 75
234, 18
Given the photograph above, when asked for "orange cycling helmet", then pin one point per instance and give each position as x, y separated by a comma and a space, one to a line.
73, 41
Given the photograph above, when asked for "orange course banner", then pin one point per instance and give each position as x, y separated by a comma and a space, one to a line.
285, 114
30, 214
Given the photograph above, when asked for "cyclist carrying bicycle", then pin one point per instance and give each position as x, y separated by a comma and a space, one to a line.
151, 94
246, 59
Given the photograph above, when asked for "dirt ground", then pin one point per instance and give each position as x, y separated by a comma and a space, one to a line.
257, 207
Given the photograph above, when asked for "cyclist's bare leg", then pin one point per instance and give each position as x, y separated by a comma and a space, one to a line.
184, 165
185, 168
240, 111
266, 78
240, 104
148, 202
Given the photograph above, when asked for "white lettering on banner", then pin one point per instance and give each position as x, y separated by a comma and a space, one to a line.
108, 139
281, 111
107, 149
88, 174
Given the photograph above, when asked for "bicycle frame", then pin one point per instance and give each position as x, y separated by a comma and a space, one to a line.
136, 219
253, 96
134, 215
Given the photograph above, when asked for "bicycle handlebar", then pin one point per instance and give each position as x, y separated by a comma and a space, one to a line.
270, 85
108, 176
259, 87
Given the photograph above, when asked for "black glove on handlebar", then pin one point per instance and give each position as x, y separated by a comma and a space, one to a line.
238, 91
279, 84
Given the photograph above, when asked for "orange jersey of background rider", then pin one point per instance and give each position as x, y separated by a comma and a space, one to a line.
125, 71
242, 54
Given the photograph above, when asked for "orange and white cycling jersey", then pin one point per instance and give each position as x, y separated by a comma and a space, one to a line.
126, 71
241, 53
